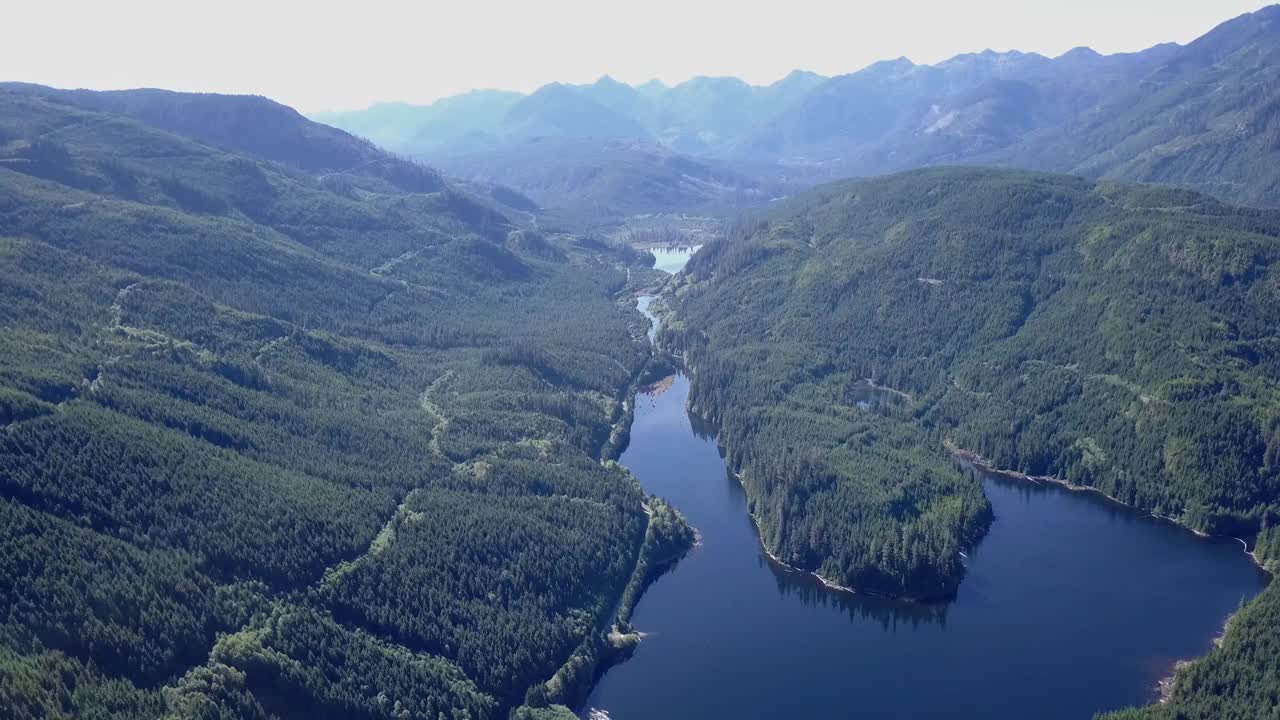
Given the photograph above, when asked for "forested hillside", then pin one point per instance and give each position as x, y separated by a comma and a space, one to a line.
1208, 118
1117, 337
285, 442
1201, 116
419, 130
253, 125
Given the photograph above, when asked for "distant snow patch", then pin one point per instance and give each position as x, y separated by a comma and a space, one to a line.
941, 123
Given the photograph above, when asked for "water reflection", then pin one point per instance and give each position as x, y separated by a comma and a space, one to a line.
704, 430
1028, 489
891, 615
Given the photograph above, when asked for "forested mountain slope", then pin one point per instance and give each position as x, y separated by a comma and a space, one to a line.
605, 178
1203, 116
251, 125
277, 444
598, 151
1118, 337
420, 130
898, 114
1207, 119
558, 110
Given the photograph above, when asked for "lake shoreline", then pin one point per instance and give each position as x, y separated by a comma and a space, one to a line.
1165, 687
646, 570
682, 363
733, 578
986, 466
873, 610
827, 582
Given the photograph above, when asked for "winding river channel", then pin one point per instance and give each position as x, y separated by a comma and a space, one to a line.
1072, 604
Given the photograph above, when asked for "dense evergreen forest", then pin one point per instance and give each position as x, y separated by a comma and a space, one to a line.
295, 428
281, 443
1112, 336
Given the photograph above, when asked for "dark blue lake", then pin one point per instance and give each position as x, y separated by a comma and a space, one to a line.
1072, 604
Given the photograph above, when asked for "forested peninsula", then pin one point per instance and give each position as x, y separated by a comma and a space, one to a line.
1114, 337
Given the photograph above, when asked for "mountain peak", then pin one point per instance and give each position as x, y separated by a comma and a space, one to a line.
887, 67
559, 110
607, 80
725, 80
799, 75
992, 56
1080, 54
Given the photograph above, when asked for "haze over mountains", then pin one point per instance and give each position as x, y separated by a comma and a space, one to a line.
697, 116
295, 425
1205, 116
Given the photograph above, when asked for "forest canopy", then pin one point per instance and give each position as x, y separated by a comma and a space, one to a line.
1112, 336
277, 446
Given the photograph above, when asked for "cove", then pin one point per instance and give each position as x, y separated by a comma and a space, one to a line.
1071, 605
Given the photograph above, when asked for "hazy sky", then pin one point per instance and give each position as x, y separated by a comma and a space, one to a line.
320, 55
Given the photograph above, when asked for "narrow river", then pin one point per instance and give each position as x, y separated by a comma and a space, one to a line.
1072, 604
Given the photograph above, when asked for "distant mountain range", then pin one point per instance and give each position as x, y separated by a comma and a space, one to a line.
699, 116
1205, 115
603, 149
